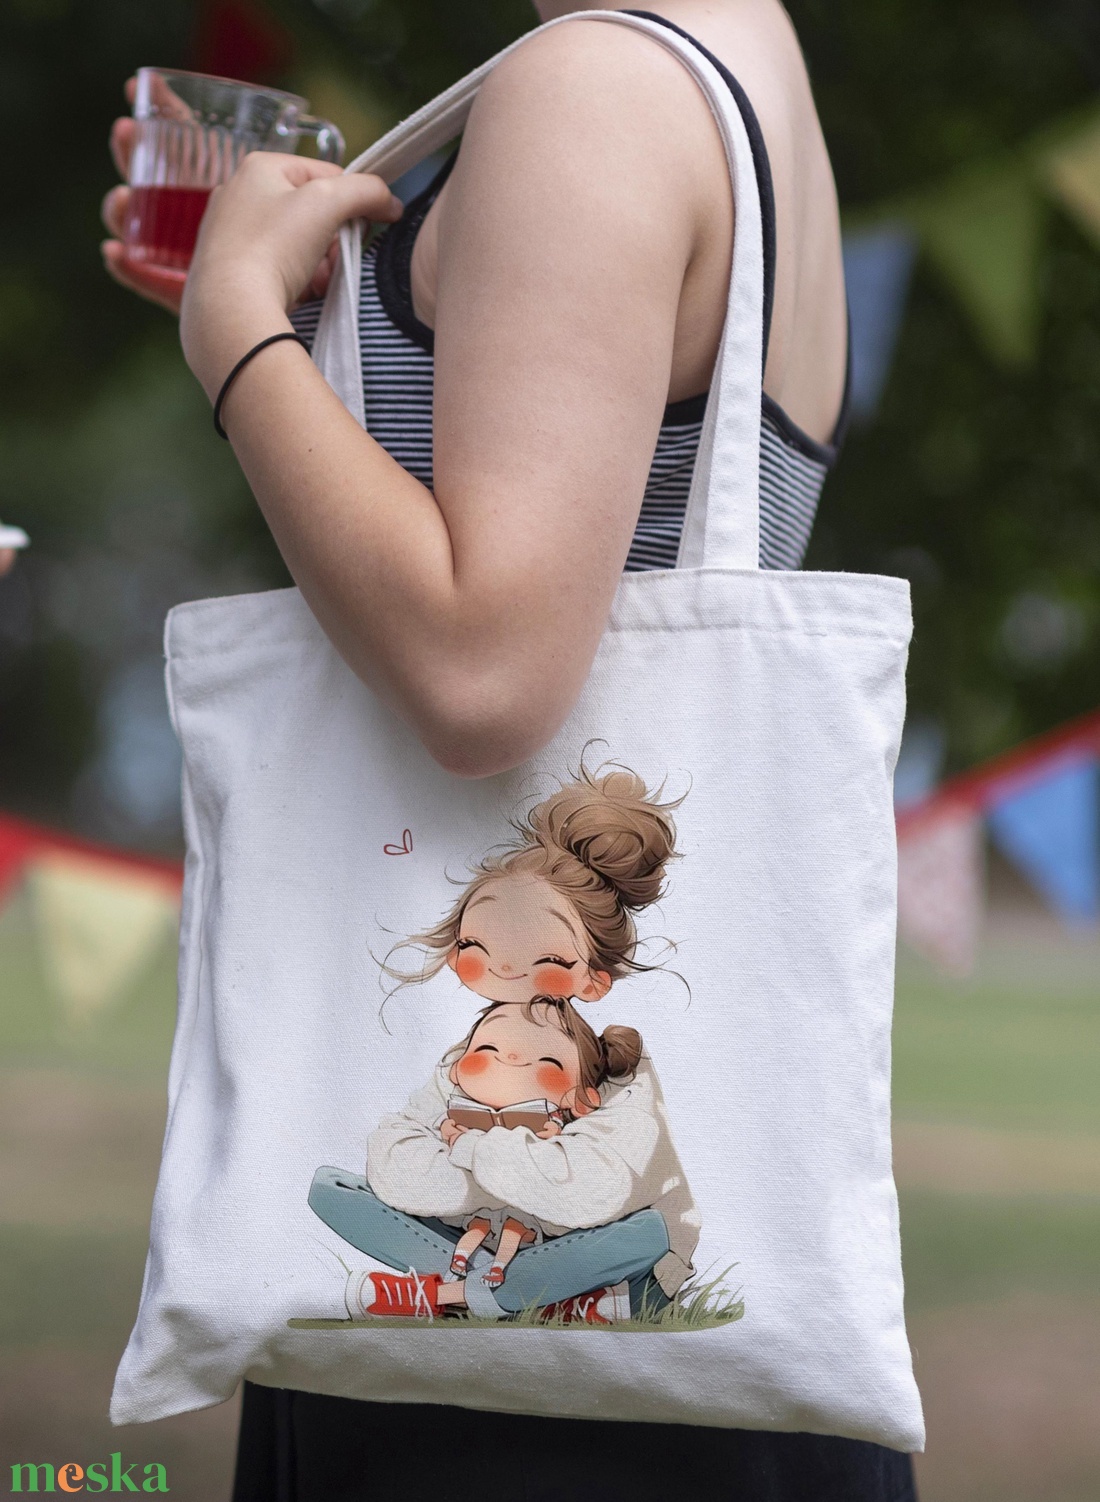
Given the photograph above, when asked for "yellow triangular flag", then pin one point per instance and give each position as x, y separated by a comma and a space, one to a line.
1072, 172
982, 229
99, 924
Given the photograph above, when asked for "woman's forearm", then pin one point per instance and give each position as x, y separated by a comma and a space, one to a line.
367, 543
371, 551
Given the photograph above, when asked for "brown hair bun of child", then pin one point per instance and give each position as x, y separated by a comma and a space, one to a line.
622, 1049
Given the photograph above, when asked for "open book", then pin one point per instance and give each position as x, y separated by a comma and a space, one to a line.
534, 1114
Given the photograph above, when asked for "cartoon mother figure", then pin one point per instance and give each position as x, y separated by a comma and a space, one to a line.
535, 1169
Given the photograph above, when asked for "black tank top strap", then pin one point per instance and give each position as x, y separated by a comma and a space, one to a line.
825, 451
759, 156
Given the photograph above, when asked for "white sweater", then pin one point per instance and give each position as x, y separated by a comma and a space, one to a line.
600, 1168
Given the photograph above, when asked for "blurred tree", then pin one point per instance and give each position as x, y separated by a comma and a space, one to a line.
979, 485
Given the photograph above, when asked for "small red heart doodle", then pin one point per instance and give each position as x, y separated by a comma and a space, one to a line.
405, 847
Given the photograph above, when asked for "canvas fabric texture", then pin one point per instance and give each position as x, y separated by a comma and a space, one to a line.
737, 1180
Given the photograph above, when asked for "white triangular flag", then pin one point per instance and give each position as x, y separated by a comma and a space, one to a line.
98, 924
941, 889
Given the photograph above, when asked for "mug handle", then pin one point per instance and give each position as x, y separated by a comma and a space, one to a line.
330, 143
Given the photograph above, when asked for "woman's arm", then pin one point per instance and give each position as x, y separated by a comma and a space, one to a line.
408, 1164
568, 224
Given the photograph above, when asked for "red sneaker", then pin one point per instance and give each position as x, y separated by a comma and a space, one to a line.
408, 1295
605, 1306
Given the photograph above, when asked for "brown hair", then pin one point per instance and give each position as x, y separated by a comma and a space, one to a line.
603, 842
611, 1055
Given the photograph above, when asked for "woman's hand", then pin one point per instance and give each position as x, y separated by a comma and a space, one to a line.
450, 1131
163, 287
261, 240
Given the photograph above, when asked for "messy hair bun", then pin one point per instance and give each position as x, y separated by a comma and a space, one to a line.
609, 824
622, 1050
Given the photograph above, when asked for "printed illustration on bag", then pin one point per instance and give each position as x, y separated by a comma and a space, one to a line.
534, 1179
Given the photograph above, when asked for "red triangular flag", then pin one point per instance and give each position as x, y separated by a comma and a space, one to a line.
941, 890
17, 844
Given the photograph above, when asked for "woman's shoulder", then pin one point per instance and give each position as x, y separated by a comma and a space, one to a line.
587, 64
607, 85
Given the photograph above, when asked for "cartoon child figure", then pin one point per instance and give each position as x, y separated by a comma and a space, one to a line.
532, 1066
544, 921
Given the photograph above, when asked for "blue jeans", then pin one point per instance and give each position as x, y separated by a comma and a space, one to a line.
577, 1262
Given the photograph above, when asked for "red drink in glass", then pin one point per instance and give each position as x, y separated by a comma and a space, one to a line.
163, 225
192, 132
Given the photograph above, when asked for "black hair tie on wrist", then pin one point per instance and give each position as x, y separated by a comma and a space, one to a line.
240, 365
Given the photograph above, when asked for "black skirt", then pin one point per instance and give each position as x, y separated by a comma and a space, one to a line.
301, 1447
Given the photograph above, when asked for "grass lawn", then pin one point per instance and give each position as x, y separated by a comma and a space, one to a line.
1002, 1249
1017, 1046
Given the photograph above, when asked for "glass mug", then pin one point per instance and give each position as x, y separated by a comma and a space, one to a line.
192, 132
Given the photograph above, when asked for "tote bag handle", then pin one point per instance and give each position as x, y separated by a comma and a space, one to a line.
722, 519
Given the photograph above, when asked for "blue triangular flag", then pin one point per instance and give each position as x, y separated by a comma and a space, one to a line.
877, 266
1051, 829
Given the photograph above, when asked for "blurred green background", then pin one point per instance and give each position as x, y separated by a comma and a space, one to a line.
976, 479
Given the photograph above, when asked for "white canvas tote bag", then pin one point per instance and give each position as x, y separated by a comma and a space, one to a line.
564, 1091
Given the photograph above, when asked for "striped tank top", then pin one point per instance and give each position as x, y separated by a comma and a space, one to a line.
398, 372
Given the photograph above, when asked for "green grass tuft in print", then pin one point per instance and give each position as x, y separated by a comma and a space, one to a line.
699, 1305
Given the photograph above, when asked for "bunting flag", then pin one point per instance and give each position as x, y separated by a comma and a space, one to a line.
920, 762
983, 230
1041, 803
1072, 172
878, 263
100, 914
99, 925
1050, 829
16, 845
941, 889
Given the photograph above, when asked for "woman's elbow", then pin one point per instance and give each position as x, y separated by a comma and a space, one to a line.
478, 727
